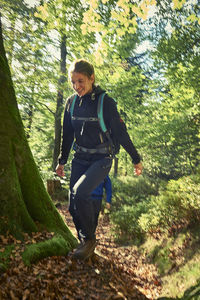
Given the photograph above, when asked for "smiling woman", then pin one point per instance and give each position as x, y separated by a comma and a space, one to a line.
82, 77
82, 84
94, 150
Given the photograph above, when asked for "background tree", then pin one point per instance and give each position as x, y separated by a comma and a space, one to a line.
173, 119
35, 75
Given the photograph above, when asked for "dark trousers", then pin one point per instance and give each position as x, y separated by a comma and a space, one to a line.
85, 177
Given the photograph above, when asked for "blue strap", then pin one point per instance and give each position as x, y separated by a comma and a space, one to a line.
100, 112
72, 105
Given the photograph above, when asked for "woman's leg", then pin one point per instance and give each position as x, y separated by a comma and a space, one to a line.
97, 208
77, 170
81, 194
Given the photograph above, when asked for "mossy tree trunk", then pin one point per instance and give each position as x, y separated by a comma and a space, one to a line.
25, 205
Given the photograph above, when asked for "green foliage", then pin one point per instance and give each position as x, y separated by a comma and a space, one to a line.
159, 109
168, 135
129, 202
128, 190
139, 207
126, 222
179, 202
168, 131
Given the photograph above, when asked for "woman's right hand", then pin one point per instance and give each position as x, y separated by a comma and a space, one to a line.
138, 169
60, 170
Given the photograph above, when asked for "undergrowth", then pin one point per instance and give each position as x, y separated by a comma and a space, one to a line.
139, 208
163, 220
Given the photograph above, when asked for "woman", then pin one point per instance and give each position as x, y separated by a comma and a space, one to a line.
93, 156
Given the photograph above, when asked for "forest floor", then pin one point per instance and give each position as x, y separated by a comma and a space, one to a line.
115, 272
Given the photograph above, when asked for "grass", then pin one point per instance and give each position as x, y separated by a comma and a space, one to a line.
187, 276
177, 259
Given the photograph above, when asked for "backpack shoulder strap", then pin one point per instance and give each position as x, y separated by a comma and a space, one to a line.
72, 105
100, 112
102, 123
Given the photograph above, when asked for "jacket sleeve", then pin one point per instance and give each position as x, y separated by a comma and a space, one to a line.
118, 128
67, 135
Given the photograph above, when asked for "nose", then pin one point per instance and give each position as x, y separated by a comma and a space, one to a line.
76, 86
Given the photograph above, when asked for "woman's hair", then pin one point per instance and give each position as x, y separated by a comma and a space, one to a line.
82, 66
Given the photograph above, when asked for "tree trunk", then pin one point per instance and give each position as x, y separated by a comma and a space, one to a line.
53, 186
59, 107
30, 121
25, 205
116, 166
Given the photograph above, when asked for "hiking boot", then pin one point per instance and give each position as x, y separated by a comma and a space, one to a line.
85, 250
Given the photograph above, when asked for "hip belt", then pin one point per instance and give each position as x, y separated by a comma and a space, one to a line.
100, 150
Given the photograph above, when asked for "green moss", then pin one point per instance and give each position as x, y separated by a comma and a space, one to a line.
54, 247
14, 216
38, 202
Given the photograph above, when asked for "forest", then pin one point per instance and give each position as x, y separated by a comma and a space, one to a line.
147, 57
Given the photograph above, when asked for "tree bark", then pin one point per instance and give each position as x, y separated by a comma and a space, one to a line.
59, 106
53, 186
25, 205
116, 166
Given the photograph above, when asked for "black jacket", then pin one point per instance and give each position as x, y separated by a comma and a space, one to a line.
87, 134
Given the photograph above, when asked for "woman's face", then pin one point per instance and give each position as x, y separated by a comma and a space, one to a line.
82, 84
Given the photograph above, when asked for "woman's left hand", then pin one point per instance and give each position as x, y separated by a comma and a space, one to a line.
138, 168
60, 170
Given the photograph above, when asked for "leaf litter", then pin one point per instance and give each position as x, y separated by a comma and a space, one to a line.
112, 273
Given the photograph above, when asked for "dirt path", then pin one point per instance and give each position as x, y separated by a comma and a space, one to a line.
114, 273
127, 272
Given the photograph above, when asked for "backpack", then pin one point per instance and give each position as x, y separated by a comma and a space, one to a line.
115, 146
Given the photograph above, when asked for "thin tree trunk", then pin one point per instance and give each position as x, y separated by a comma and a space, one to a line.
116, 166
31, 108
30, 121
59, 107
